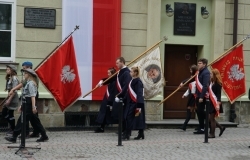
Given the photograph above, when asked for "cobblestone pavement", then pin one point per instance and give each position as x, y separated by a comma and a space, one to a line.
159, 144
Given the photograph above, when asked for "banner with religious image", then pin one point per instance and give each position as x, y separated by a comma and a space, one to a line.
151, 73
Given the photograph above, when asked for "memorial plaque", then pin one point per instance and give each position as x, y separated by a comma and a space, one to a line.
40, 18
184, 18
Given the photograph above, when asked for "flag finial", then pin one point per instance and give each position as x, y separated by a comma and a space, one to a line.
77, 27
165, 38
247, 37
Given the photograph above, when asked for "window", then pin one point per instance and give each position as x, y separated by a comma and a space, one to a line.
7, 30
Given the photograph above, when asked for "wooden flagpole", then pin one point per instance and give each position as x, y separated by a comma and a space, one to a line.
226, 52
175, 91
76, 27
3, 101
221, 56
45, 59
142, 54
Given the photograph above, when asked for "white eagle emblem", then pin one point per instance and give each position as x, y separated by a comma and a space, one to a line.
235, 73
67, 74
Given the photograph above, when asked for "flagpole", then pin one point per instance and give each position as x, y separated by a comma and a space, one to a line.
221, 56
3, 101
164, 39
175, 90
76, 28
142, 54
226, 52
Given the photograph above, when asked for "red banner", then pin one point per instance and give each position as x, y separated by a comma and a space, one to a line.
59, 73
232, 71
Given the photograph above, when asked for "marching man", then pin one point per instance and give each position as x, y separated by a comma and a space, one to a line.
122, 81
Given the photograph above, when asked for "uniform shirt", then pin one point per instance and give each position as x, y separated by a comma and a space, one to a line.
24, 82
13, 82
30, 89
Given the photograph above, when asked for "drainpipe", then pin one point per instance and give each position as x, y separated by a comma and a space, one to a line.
232, 114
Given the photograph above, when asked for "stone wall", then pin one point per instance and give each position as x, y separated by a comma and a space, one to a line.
51, 115
243, 104
242, 110
134, 28
153, 112
36, 43
243, 30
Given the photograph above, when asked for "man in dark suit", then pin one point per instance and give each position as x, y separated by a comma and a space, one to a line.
122, 81
202, 85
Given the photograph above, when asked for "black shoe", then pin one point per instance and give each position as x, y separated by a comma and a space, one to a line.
221, 131
42, 139
33, 135
197, 128
99, 130
27, 136
182, 128
211, 136
10, 132
125, 137
140, 136
11, 139
199, 132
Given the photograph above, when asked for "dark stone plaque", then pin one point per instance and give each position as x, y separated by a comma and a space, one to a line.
40, 18
184, 18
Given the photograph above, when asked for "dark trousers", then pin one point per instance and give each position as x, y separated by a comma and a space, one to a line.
36, 122
188, 117
9, 116
200, 112
35, 132
103, 123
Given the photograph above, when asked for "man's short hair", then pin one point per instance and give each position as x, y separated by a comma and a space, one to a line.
203, 60
121, 59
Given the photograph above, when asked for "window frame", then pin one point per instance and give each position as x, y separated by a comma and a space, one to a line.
13, 31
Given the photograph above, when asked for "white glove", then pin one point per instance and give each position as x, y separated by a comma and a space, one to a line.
99, 84
117, 99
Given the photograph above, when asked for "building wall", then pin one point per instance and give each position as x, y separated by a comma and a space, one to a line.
134, 28
34, 44
242, 105
144, 23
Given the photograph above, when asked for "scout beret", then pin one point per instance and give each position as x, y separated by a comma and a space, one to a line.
27, 63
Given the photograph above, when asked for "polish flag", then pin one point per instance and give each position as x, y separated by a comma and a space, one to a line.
59, 74
233, 74
97, 42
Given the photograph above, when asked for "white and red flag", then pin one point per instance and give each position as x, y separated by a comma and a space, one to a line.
232, 71
59, 74
97, 42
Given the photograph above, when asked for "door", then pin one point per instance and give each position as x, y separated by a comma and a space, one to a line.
178, 59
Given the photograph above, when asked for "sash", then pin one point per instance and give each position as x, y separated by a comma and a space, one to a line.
118, 85
132, 94
213, 98
107, 93
199, 85
192, 88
